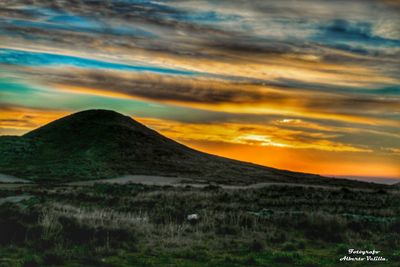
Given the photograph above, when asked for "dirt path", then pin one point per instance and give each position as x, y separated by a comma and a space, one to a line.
182, 182
135, 179
4, 178
14, 199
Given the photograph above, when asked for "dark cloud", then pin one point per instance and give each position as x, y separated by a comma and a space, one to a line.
158, 87
356, 104
260, 28
209, 91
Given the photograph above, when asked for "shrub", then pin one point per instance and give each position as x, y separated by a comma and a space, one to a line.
226, 229
11, 230
250, 261
31, 261
53, 258
345, 190
75, 232
342, 249
279, 237
395, 226
324, 227
256, 246
289, 247
91, 261
13, 224
301, 244
286, 258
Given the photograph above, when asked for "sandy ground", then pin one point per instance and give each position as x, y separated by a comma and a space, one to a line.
175, 181
135, 179
14, 199
4, 178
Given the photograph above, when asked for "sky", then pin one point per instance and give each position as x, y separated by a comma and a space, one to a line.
311, 85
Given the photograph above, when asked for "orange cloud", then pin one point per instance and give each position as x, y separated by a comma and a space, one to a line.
306, 160
19, 120
249, 134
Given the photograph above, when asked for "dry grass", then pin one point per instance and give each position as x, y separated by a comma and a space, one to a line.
96, 217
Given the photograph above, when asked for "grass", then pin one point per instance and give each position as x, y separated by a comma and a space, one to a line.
137, 225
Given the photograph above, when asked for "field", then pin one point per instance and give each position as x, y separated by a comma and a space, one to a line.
146, 225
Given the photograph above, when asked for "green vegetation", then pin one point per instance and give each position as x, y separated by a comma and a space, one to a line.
138, 225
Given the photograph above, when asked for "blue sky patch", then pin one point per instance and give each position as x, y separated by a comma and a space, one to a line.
347, 36
26, 58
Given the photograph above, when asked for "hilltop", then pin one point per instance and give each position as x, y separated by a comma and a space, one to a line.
98, 144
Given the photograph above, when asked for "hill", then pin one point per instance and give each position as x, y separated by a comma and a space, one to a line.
98, 144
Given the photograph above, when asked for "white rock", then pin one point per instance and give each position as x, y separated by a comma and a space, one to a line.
193, 217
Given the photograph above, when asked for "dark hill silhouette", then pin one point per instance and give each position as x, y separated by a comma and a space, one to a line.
98, 144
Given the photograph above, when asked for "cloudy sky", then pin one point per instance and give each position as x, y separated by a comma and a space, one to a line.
307, 85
